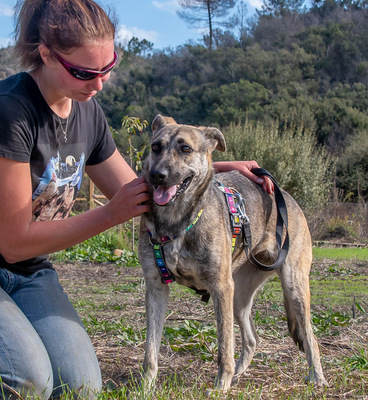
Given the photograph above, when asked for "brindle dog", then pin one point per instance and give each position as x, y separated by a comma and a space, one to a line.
198, 248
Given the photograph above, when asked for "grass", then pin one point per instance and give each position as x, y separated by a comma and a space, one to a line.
341, 253
110, 300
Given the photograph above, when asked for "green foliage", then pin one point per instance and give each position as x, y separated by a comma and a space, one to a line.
100, 248
352, 166
193, 336
359, 361
292, 156
339, 227
122, 331
325, 322
135, 126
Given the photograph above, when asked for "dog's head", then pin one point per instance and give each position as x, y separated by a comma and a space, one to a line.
180, 155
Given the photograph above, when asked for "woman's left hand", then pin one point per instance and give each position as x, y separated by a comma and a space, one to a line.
245, 167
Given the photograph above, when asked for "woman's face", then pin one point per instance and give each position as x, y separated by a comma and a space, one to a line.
96, 55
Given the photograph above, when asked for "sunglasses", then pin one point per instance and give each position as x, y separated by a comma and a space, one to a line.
86, 74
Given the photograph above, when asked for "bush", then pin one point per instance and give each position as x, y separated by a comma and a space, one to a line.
292, 156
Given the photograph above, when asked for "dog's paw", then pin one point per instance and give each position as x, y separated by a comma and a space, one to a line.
317, 382
215, 393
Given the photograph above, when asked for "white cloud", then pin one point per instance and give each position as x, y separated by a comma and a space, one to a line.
256, 3
170, 6
5, 10
5, 42
124, 34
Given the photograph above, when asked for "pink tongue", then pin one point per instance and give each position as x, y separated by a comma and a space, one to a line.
162, 195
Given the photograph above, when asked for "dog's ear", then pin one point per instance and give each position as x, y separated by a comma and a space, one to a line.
216, 138
160, 121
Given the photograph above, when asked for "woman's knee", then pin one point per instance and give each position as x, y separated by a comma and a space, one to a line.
24, 362
76, 368
34, 380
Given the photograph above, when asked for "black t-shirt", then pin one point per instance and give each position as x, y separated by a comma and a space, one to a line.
31, 132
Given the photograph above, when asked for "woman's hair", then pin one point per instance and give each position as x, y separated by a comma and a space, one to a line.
59, 24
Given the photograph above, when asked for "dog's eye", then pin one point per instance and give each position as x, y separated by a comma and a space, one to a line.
155, 147
186, 149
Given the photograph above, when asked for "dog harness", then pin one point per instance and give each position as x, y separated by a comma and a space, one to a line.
235, 203
158, 252
236, 206
240, 224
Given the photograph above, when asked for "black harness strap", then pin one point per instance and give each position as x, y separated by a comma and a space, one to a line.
282, 221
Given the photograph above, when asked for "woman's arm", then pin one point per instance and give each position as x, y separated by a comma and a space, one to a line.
245, 167
21, 238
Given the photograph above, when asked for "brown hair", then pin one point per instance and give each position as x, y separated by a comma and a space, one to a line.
60, 25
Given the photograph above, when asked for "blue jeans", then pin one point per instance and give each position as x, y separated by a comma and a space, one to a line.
44, 348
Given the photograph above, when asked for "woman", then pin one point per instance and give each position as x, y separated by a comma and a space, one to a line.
51, 132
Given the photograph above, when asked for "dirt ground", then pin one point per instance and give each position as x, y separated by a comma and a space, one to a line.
109, 296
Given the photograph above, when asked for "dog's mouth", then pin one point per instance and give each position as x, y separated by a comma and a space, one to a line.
163, 195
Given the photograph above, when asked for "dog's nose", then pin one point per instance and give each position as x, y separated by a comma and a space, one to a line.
157, 177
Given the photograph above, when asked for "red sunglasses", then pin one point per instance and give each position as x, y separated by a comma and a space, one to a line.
86, 74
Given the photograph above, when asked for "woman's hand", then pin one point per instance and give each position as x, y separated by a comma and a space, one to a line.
131, 200
245, 168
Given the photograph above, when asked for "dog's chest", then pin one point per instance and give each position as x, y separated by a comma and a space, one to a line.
182, 262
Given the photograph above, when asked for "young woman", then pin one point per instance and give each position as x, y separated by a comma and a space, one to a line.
51, 132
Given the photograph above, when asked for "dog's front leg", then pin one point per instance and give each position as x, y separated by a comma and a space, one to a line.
223, 305
156, 306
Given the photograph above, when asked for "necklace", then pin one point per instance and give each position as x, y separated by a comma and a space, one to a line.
65, 131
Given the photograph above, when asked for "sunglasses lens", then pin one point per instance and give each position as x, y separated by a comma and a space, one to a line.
83, 75
86, 75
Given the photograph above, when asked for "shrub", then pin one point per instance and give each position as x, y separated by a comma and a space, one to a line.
292, 156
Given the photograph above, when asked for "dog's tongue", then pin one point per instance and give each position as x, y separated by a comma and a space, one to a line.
162, 195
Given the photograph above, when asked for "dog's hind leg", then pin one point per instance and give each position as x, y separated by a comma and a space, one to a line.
295, 283
247, 281
156, 305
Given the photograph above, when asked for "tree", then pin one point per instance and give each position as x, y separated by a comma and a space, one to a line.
206, 14
281, 7
139, 47
240, 20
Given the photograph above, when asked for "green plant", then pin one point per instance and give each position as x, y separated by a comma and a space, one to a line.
359, 360
193, 336
326, 321
339, 227
102, 248
134, 125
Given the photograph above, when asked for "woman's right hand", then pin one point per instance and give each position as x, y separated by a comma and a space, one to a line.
131, 200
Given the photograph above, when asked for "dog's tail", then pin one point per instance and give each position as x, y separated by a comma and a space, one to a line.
293, 325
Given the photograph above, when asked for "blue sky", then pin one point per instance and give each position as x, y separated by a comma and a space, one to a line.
154, 20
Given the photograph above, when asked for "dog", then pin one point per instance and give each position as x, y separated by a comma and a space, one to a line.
189, 230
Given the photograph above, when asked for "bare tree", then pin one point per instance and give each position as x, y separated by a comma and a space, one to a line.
240, 19
206, 14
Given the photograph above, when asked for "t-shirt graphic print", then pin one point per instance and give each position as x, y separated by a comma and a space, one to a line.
58, 188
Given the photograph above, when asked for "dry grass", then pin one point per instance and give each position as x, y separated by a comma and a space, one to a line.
111, 301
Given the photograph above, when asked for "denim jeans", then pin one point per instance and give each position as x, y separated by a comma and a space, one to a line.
44, 348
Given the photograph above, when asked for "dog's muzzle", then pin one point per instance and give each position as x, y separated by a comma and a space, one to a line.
164, 195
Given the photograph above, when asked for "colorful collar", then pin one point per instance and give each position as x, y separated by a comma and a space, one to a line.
158, 252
